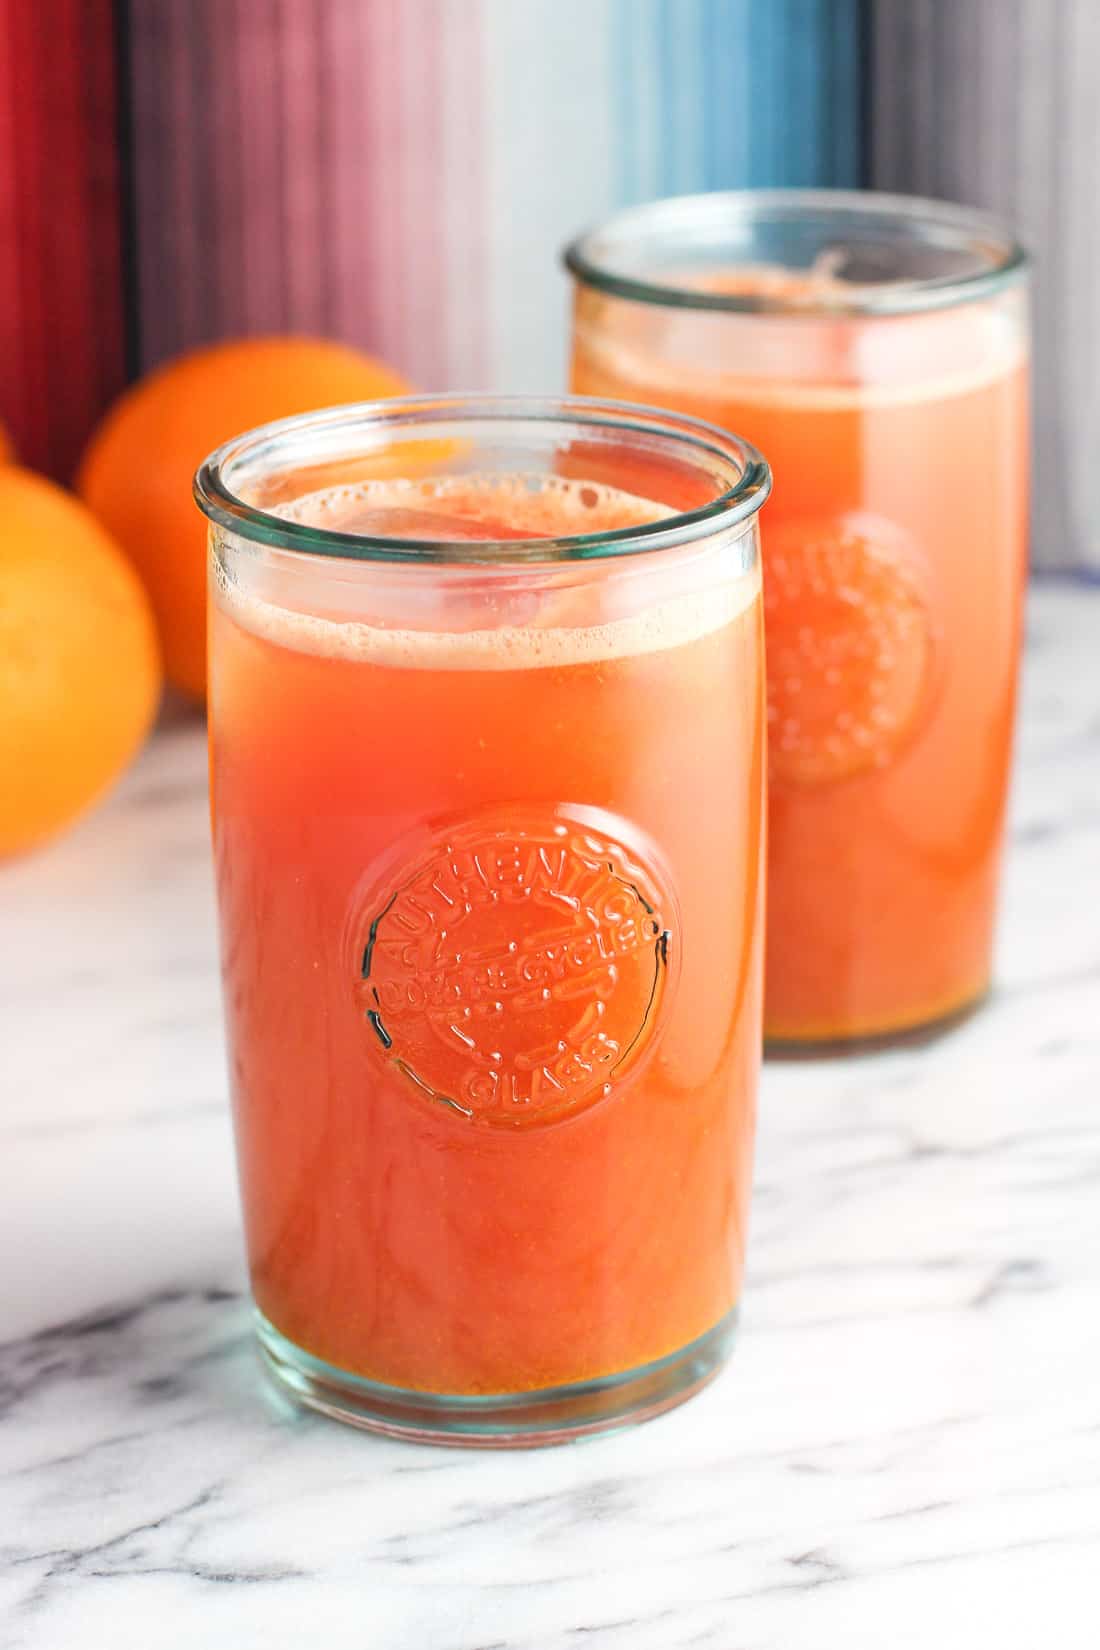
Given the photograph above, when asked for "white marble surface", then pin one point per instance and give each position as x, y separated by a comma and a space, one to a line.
905, 1450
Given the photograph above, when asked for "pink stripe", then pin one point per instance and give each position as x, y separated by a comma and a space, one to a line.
421, 231
352, 309
380, 159
304, 214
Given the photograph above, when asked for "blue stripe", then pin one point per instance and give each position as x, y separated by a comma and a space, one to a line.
728, 71
680, 95
719, 94
847, 69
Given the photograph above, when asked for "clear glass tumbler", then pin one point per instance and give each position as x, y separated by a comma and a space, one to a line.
876, 348
487, 751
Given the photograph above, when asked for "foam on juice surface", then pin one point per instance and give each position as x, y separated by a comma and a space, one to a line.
811, 354
667, 612
471, 509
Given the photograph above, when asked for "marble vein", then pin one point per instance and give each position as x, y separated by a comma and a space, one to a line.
905, 1451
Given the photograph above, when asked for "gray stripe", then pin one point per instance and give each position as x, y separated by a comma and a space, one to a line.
997, 102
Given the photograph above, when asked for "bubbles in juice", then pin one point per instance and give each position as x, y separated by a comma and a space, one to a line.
492, 615
473, 508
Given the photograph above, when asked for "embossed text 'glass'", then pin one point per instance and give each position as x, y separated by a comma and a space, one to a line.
876, 348
487, 720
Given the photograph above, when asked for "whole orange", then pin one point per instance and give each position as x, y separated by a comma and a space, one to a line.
79, 667
136, 473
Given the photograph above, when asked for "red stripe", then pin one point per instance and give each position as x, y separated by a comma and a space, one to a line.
33, 436
13, 398
61, 328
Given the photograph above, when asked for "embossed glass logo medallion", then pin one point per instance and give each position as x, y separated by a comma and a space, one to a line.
517, 967
853, 647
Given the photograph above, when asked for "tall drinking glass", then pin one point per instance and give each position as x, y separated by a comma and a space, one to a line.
876, 347
487, 753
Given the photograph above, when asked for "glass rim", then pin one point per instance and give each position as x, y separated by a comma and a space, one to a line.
945, 223
394, 415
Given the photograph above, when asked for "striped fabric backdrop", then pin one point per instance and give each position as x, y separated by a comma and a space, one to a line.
398, 173
403, 175
997, 102
61, 286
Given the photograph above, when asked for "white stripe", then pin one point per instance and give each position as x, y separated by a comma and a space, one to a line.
548, 132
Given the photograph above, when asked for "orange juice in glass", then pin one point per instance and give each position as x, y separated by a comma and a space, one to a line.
487, 756
876, 348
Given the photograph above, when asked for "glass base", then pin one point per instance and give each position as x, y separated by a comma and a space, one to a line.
873, 1042
517, 1420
